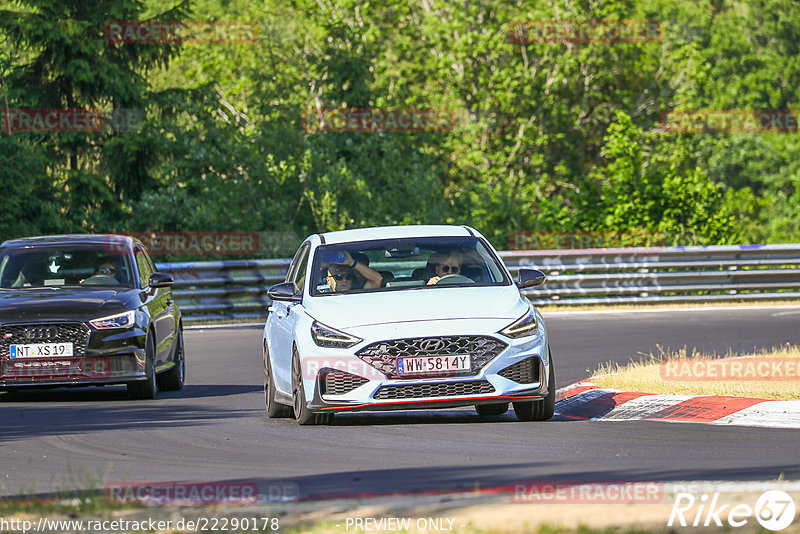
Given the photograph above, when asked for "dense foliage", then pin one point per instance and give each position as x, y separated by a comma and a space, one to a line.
550, 136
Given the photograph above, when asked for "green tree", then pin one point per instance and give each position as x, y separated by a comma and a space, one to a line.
60, 60
657, 193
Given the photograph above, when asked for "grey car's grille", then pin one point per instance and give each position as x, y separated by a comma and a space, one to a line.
18, 334
447, 389
337, 382
522, 372
383, 354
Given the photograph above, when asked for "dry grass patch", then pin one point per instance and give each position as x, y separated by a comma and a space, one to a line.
680, 372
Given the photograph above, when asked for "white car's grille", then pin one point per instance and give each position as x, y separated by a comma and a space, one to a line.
337, 382
445, 389
383, 354
522, 372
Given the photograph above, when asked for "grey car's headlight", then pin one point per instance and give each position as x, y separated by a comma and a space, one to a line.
120, 320
522, 327
325, 336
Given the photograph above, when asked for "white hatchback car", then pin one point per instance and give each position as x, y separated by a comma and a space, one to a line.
404, 318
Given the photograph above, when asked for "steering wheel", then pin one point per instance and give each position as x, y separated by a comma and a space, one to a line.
100, 280
449, 279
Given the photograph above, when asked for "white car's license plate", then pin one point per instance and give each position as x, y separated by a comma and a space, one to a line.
433, 364
41, 350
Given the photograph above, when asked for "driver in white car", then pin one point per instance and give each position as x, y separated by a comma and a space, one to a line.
445, 264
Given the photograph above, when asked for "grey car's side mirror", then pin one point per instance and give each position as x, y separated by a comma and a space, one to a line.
160, 280
283, 291
530, 278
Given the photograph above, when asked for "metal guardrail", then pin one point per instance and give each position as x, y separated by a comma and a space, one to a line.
220, 290
224, 290
662, 274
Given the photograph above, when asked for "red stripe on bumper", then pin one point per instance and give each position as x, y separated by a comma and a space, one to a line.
431, 401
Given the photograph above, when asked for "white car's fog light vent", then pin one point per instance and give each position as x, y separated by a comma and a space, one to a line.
383, 355
447, 389
337, 382
31, 334
522, 372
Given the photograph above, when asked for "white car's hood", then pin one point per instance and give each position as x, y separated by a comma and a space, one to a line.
345, 311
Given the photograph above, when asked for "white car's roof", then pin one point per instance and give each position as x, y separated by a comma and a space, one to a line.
396, 232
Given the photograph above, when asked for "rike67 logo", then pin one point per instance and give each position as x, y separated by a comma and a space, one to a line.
774, 510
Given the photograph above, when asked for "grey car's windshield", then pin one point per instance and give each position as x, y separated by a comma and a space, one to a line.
403, 264
88, 265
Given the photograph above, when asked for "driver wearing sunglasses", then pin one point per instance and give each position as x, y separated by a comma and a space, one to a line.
340, 274
444, 265
106, 268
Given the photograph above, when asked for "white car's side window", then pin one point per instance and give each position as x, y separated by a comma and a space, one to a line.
297, 270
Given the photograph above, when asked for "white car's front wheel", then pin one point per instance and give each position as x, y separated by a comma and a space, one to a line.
302, 413
541, 410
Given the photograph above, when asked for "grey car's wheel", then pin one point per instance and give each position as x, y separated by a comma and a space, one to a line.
541, 410
173, 378
145, 389
274, 409
491, 409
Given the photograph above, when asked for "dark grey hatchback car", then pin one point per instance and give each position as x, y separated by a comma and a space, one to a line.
78, 310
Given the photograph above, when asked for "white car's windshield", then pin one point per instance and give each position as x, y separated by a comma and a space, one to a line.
402, 264
64, 265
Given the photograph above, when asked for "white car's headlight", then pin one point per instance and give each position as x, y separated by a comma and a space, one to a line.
524, 326
120, 320
325, 336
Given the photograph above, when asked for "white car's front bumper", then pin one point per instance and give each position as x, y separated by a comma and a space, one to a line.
338, 380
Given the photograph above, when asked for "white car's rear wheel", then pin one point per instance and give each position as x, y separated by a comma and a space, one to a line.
274, 409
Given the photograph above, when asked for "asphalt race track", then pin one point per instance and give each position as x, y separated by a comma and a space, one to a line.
216, 428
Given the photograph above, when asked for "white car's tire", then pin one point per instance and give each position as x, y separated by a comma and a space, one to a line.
541, 410
274, 408
302, 413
